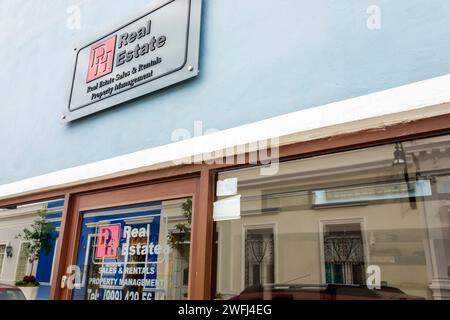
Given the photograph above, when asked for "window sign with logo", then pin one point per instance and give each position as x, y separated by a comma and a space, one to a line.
127, 254
147, 54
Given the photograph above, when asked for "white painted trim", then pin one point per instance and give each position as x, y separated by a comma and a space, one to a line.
410, 102
53, 260
27, 212
21, 211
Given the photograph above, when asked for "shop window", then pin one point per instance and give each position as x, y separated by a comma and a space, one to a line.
137, 252
338, 218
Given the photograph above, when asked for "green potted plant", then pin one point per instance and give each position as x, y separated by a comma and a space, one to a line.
39, 236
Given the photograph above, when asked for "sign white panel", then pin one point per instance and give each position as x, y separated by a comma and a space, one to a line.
147, 54
227, 209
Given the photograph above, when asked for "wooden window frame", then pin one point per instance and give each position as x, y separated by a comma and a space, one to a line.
198, 181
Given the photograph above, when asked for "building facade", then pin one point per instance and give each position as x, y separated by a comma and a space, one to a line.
300, 149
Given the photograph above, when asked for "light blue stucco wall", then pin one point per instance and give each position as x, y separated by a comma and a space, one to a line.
259, 58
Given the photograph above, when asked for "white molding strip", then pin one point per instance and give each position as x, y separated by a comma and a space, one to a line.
410, 102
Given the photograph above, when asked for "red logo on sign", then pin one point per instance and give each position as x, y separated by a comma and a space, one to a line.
102, 59
108, 242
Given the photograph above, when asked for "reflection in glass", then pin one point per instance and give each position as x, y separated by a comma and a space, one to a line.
259, 256
136, 252
315, 229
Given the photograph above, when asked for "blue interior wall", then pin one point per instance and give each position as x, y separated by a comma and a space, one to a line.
259, 59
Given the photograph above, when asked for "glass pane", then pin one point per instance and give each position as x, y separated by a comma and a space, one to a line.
372, 223
138, 252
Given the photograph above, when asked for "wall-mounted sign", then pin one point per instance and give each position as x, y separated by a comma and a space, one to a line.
145, 55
